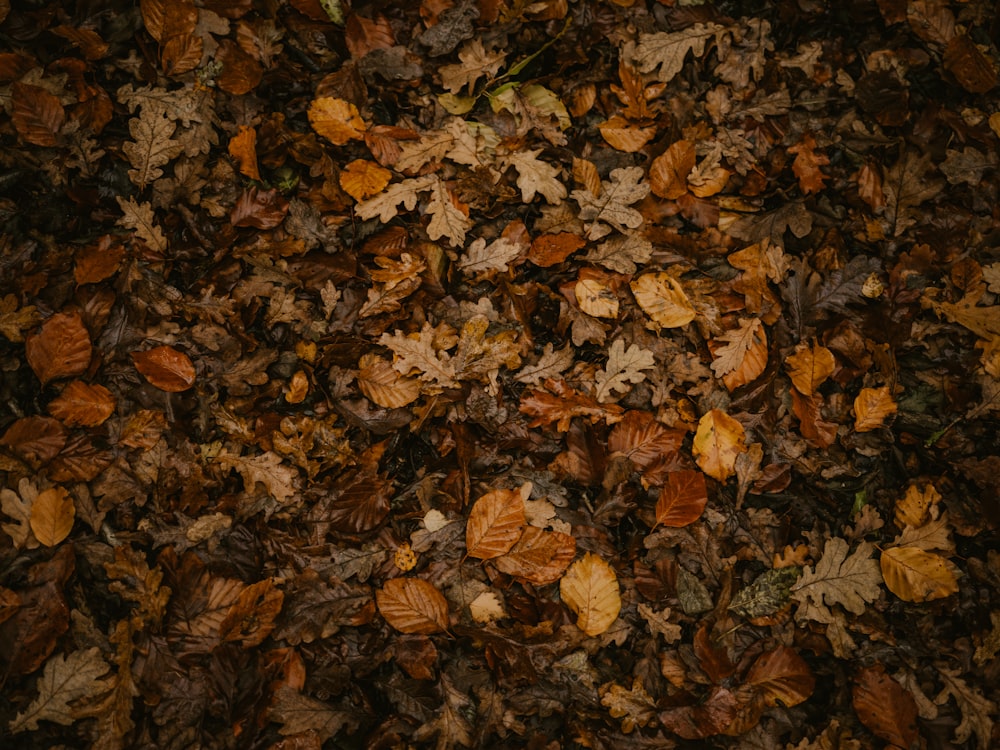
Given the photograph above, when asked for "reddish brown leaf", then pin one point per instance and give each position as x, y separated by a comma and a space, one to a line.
261, 209
811, 423
643, 440
181, 54
35, 440
38, 115
60, 348
561, 403
88, 40
668, 172
240, 72
973, 70
166, 18
412, 605
362, 35
539, 557
417, 655
551, 249
96, 263
782, 676
682, 499
79, 461
165, 368
251, 619
704, 720
885, 707
495, 523
82, 405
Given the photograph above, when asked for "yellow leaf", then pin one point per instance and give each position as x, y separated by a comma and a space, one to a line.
362, 179
717, 442
663, 299
412, 605
596, 297
918, 576
668, 172
625, 136
810, 367
914, 508
495, 524
336, 120
871, 408
52, 516
590, 590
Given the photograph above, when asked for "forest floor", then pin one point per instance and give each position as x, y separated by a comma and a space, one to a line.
471, 373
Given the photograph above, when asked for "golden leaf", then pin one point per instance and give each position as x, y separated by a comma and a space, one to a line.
412, 605
82, 405
596, 297
590, 590
336, 120
380, 382
668, 172
625, 136
362, 179
52, 516
810, 367
165, 368
495, 524
915, 575
914, 508
60, 348
663, 299
717, 443
871, 408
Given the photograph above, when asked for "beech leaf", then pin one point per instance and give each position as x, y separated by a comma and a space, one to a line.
590, 590
412, 605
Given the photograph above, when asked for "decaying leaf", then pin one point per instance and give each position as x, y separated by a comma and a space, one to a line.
624, 367
67, 684
634, 707
850, 581
916, 575
60, 348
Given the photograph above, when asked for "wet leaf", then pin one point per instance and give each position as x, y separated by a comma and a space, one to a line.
166, 368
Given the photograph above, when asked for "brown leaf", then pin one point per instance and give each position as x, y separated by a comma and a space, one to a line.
974, 71
243, 148
362, 35
52, 516
336, 120
95, 263
60, 348
668, 172
885, 707
539, 557
361, 505
240, 72
590, 590
704, 720
495, 524
552, 249
915, 575
251, 619
412, 605
624, 135
782, 676
35, 440
165, 368
166, 18
807, 165
643, 440
88, 40
808, 410
38, 116
871, 408
82, 405
682, 499
810, 367
181, 54
260, 209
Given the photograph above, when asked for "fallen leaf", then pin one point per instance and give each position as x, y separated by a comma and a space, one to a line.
60, 348
871, 408
682, 499
624, 368
412, 605
634, 707
336, 120
885, 707
165, 368
495, 524
361, 179
82, 405
809, 367
668, 172
915, 575
663, 299
717, 442
52, 515
539, 557
67, 684
590, 589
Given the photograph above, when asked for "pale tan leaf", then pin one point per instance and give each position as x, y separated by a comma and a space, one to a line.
495, 524
610, 210
416, 352
977, 710
915, 575
15, 320
536, 177
663, 299
380, 382
487, 259
590, 590
140, 219
634, 707
850, 581
665, 52
487, 608
17, 507
412, 605
67, 682
52, 516
595, 296
151, 146
476, 62
624, 368
449, 216
385, 205
621, 254
268, 469
659, 623
551, 363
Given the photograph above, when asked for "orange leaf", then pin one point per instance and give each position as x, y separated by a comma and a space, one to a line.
717, 442
782, 676
52, 516
251, 618
61, 348
807, 165
668, 172
564, 403
871, 407
551, 249
165, 368
682, 499
336, 120
181, 54
590, 590
811, 423
495, 524
412, 605
82, 405
243, 148
740, 354
625, 136
362, 179
539, 556
240, 72
663, 299
810, 367
914, 508
260, 209
915, 575
362, 35
885, 707
98, 262
38, 115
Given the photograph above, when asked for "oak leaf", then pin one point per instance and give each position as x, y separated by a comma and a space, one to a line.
60, 348
486, 259
850, 581
621, 253
915, 575
740, 355
412, 605
416, 353
15, 319
140, 219
151, 147
67, 683
476, 62
590, 590
807, 165
624, 368
559, 403
52, 515
663, 299
495, 524
266, 468
336, 120
536, 177
243, 148
17, 507
610, 210
385, 204
976, 709
634, 707
665, 52
717, 443
551, 364
449, 216
659, 623
299, 714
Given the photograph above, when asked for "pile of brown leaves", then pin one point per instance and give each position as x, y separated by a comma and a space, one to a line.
476, 373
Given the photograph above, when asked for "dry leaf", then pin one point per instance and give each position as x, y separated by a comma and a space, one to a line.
665, 52
590, 590
538, 557
624, 367
361, 179
717, 443
165, 368
495, 524
885, 707
60, 348
380, 382
634, 707
850, 581
82, 405
663, 299
610, 210
595, 295
38, 115
782, 677
871, 407
914, 508
52, 516
915, 575
682, 499
809, 367
412, 605
336, 120
624, 135
243, 148
66, 685
740, 355
252, 617
668, 173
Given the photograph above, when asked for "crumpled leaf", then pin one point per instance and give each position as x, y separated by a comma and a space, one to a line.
634, 707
